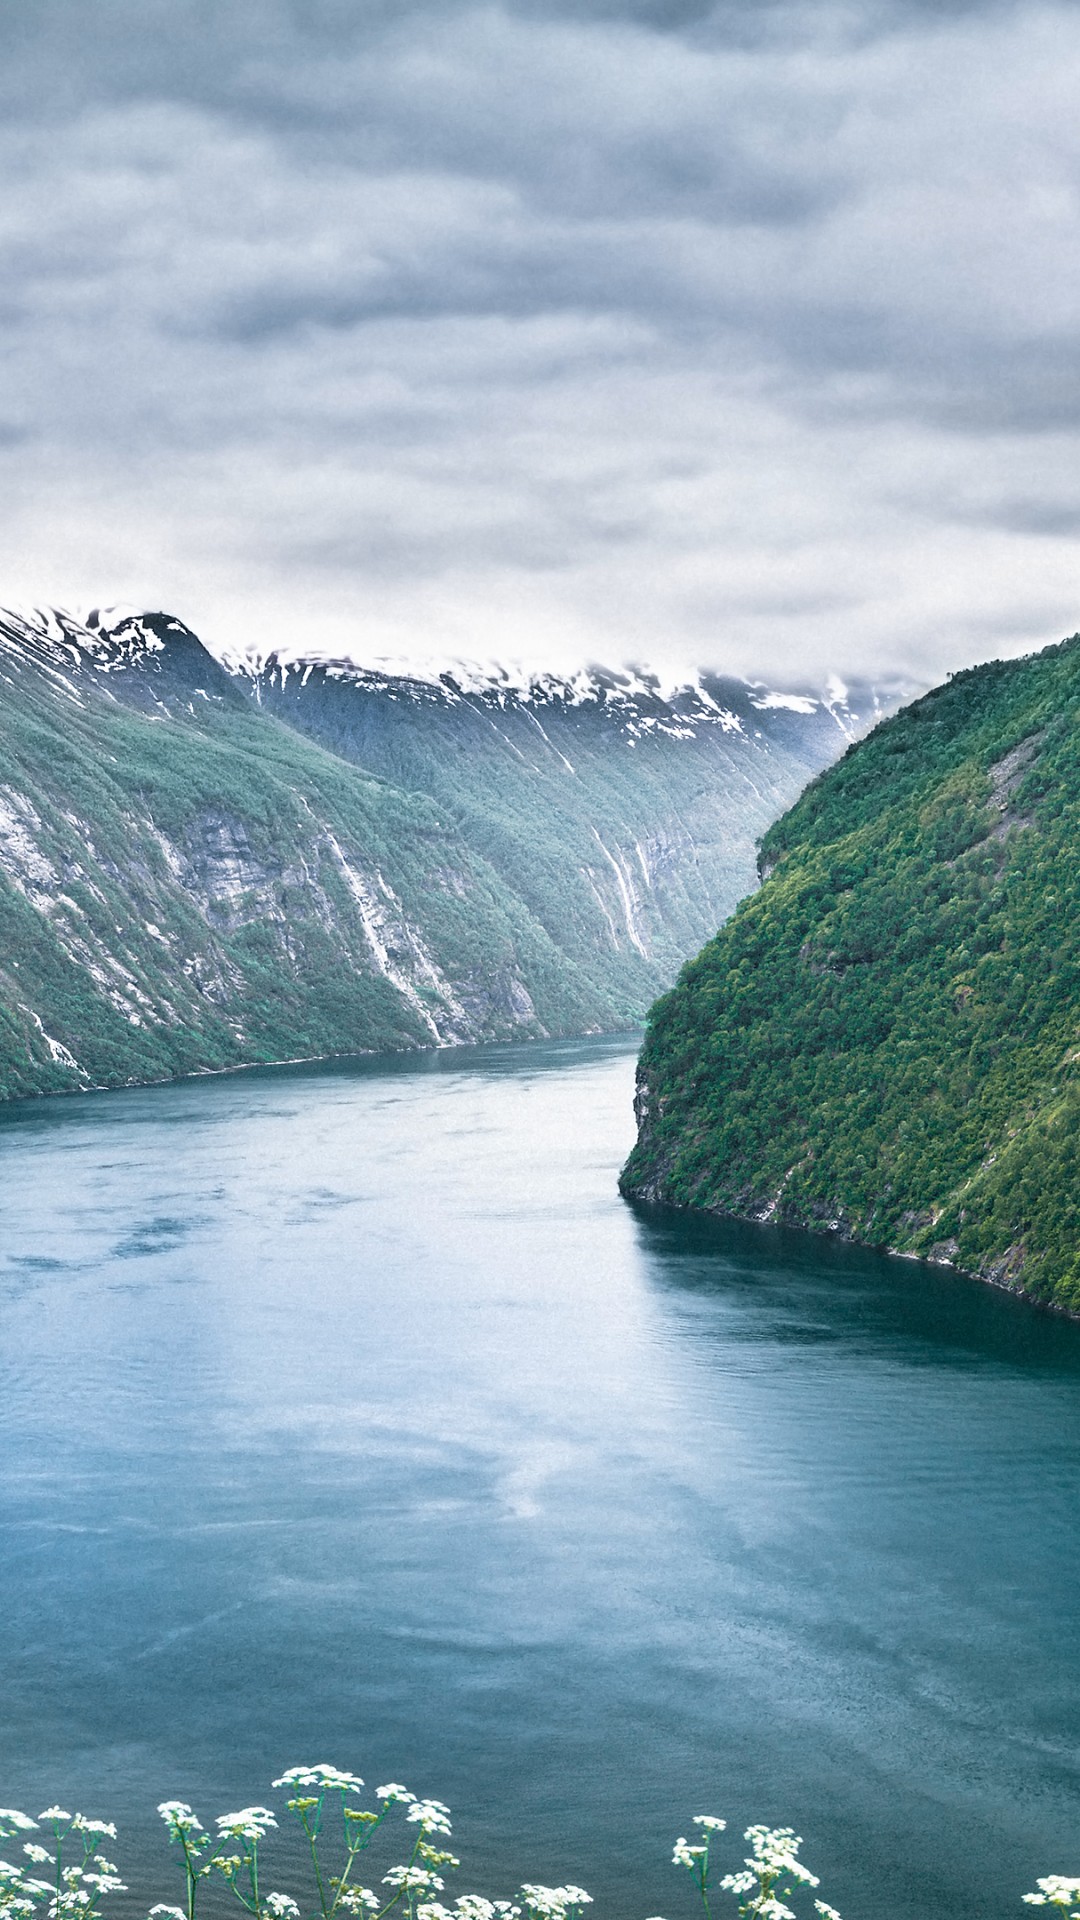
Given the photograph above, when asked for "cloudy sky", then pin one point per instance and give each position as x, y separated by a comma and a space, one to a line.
742, 334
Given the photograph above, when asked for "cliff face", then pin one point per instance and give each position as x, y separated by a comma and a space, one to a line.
883, 1042
200, 868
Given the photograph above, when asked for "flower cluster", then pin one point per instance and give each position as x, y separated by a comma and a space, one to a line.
251, 1823
71, 1879
179, 1818
696, 1858
554, 1903
773, 1859
430, 1814
322, 1776
12, 1821
323, 1800
62, 1875
1056, 1890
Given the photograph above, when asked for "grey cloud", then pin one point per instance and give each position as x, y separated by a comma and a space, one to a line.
626, 324
1050, 518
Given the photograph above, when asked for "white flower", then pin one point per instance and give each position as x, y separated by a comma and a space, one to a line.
322, 1775
413, 1878
431, 1814
394, 1792
21, 1822
776, 1850
826, 1912
39, 1855
360, 1900
685, 1855
1055, 1890
168, 1913
83, 1825
251, 1823
178, 1815
282, 1906
53, 1813
473, 1906
739, 1882
431, 1910
710, 1821
551, 1903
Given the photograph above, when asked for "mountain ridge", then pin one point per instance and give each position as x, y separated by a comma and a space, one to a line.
113, 636
626, 688
203, 865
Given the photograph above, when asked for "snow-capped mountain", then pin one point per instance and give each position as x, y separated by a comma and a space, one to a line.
640, 699
204, 863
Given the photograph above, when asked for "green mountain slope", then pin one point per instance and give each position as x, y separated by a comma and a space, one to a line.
626, 821
187, 884
194, 875
884, 1041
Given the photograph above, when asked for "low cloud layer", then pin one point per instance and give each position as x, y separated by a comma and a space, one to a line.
737, 336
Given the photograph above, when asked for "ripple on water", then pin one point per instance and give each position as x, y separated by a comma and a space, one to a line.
349, 1411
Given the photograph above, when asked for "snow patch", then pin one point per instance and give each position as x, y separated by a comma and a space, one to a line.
58, 1053
789, 702
627, 892
401, 954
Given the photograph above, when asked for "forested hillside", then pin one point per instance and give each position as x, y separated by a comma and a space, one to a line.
884, 1041
201, 868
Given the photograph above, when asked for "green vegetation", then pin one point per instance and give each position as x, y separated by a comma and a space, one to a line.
68, 1876
884, 1041
627, 834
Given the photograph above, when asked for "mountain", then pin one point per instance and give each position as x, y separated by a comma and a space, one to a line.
884, 1041
202, 867
624, 817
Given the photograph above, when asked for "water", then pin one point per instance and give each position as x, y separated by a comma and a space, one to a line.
347, 1413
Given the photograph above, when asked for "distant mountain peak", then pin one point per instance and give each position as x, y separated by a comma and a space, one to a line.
640, 698
206, 862
103, 638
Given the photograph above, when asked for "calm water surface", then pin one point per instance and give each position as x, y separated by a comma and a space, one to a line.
347, 1413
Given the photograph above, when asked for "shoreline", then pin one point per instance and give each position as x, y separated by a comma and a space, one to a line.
642, 1197
312, 1060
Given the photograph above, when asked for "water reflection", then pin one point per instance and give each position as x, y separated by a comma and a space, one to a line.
348, 1412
